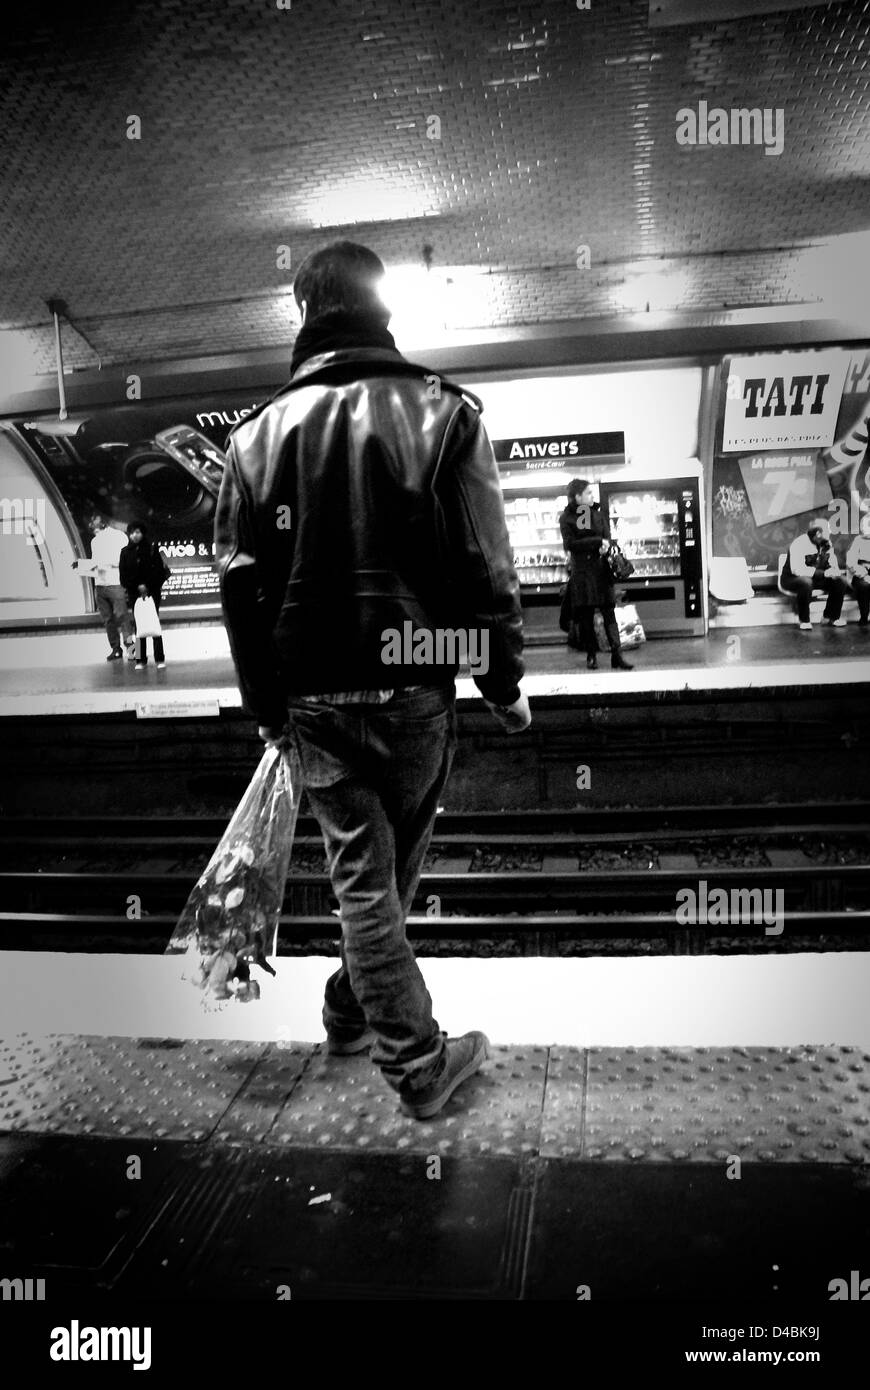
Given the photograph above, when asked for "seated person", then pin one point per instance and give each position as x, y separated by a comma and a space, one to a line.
858, 568
812, 564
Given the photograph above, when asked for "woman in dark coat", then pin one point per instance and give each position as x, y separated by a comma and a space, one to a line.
143, 573
586, 537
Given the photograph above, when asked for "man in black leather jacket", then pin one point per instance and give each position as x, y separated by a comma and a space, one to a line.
361, 544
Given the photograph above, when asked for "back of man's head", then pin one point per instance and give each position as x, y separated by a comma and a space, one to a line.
342, 278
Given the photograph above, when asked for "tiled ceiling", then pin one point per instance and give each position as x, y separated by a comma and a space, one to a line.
264, 127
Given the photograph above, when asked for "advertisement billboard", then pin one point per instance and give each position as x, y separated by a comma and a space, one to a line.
783, 400
159, 465
764, 498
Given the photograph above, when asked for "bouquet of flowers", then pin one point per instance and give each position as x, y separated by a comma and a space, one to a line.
230, 920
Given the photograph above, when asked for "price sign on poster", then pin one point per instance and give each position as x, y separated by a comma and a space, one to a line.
780, 485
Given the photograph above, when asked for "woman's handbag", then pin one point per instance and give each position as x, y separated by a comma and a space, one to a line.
146, 619
619, 566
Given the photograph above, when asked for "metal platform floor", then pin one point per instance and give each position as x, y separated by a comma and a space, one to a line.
161, 1169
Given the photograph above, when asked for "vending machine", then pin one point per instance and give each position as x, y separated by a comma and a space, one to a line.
534, 471
659, 526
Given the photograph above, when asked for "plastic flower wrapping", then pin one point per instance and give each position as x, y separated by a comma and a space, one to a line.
230, 921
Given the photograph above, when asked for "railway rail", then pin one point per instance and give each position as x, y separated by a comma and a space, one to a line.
767, 818
71, 905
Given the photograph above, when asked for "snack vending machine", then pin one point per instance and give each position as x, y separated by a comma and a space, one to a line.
659, 525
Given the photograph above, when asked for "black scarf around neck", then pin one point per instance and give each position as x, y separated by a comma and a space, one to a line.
338, 332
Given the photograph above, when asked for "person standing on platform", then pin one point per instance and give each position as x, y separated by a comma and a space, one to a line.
106, 548
811, 564
858, 569
143, 573
361, 507
586, 537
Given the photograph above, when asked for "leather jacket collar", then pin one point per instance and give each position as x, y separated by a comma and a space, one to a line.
356, 362
363, 356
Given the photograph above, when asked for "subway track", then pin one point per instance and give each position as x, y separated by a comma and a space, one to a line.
495, 882
596, 826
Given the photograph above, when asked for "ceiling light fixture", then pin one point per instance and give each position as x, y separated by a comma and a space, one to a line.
653, 291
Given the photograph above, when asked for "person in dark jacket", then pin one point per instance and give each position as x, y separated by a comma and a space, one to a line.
143, 573
360, 541
586, 537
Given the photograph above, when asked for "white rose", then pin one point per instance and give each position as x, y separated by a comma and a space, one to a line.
224, 869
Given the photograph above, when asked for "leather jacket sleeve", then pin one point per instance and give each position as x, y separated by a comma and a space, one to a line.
248, 627
485, 591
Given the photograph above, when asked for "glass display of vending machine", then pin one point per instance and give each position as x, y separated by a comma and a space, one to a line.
659, 525
532, 515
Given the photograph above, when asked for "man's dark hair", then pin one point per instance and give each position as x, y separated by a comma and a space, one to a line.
342, 278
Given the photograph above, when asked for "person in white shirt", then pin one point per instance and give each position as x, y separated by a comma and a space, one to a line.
858, 569
812, 564
111, 597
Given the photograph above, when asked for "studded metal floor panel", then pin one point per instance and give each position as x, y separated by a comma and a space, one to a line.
148, 1088
807, 1105
798, 1105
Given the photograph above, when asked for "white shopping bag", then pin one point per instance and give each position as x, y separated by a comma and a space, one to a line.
631, 632
146, 619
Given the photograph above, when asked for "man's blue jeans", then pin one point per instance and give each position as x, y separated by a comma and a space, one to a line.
374, 775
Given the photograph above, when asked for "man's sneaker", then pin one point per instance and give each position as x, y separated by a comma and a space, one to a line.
834, 622
349, 1047
465, 1056
115, 655
161, 665
805, 627
140, 665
